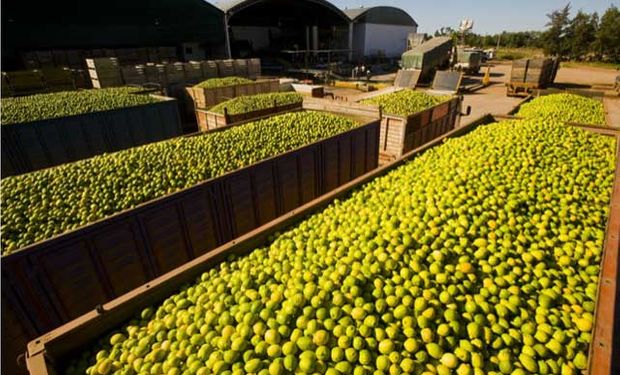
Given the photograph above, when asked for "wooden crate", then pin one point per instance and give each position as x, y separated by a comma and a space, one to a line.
133, 74
193, 72
254, 68
209, 69
154, 73
206, 98
241, 67
175, 73
208, 120
225, 68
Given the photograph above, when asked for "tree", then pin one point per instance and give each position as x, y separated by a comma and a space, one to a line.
581, 34
608, 35
445, 31
555, 38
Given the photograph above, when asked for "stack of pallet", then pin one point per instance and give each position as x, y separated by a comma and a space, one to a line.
104, 72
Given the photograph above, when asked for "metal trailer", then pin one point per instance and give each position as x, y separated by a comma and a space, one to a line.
34, 145
51, 282
428, 56
46, 353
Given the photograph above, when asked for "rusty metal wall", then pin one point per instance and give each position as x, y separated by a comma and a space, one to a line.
54, 281
35, 145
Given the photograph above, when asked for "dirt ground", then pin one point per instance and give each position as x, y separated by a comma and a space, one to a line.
492, 99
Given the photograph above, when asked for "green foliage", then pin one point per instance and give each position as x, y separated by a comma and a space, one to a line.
69, 103
469, 256
244, 104
582, 34
608, 35
405, 102
565, 107
555, 40
44, 203
222, 82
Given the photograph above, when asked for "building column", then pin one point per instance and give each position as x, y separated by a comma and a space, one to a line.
315, 37
307, 38
350, 41
227, 36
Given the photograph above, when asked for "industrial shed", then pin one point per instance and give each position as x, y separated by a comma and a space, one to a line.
268, 27
380, 31
195, 27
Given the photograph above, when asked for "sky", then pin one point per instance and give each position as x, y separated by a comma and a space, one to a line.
490, 16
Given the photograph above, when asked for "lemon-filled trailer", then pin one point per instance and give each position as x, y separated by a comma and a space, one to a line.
52, 281
45, 130
56, 351
409, 118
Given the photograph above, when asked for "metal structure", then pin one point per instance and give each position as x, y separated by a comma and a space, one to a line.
266, 27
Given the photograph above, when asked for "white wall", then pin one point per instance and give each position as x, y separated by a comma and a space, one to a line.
391, 39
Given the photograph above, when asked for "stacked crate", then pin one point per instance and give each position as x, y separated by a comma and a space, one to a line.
225, 68
209, 69
133, 74
254, 70
193, 72
241, 67
104, 72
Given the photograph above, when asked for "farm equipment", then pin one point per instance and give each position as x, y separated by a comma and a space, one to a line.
428, 57
468, 60
530, 75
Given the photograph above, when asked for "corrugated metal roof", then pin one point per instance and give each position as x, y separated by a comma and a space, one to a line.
237, 5
385, 15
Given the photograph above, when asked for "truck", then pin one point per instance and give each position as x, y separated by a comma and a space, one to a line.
428, 56
468, 60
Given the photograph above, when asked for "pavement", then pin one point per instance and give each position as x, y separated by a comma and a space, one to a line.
612, 106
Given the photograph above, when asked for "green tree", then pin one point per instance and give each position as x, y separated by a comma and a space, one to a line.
555, 38
581, 34
608, 35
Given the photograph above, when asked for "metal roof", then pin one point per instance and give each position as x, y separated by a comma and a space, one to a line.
385, 15
233, 6
115, 23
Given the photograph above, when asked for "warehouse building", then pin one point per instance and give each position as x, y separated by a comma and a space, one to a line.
268, 27
194, 27
380, 31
